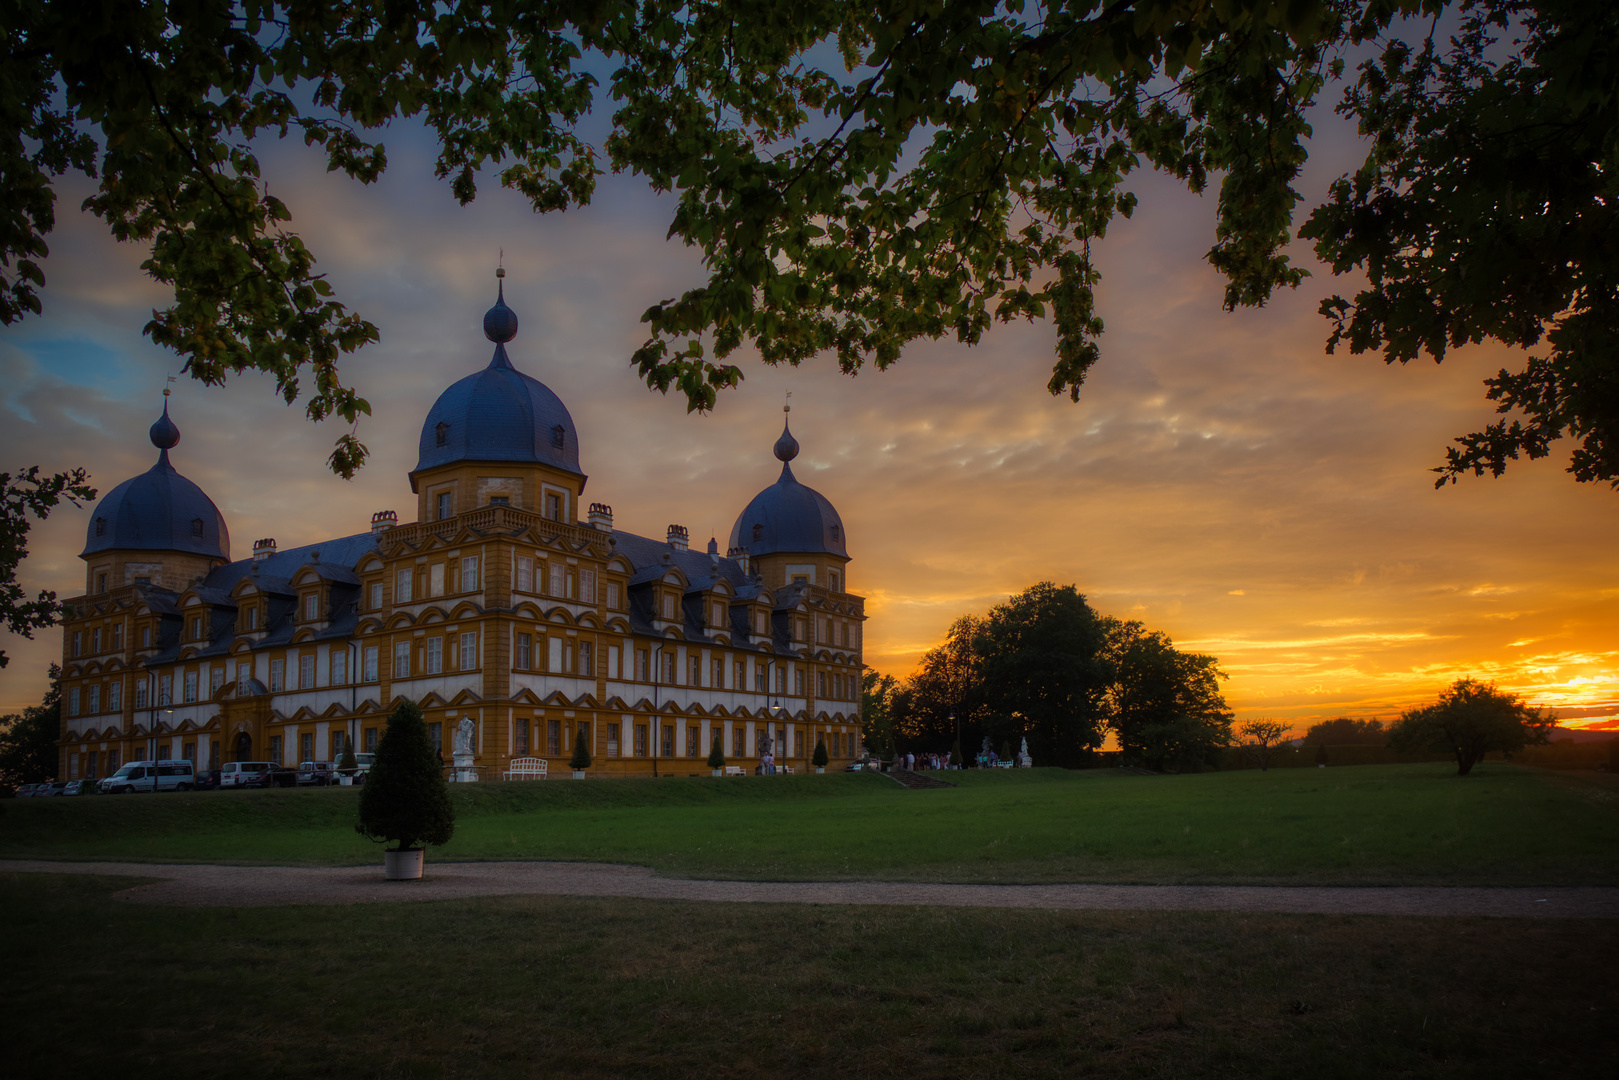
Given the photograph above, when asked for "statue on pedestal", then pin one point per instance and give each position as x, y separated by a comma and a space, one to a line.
465, 771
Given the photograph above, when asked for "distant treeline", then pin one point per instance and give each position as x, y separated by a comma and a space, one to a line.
1047, 668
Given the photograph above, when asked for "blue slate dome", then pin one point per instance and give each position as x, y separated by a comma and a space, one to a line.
789, 517
499, 414
159, 510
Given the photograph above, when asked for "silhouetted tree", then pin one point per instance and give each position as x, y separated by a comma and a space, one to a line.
948, 684
1165, 705
877, 711
1264, 734
1347, 732
1470, 720
405, 798
28, 741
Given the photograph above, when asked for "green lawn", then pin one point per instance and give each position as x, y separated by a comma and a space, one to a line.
545, 986
1370, 824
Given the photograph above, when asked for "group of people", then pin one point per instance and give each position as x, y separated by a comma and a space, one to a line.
925, 761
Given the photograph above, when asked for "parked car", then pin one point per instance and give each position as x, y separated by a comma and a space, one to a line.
316, 773
54, 787
26, 791
364, 761
80, 787
151, 775
208, 780
267, 774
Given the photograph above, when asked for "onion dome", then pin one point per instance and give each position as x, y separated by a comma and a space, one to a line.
499, 413
159, 510
788, 517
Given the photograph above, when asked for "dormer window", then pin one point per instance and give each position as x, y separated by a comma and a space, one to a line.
553, 507
311, 607
441, 434
196, 527
445, 501
101, 526
758, 533
253, 618
558, 436
837, 533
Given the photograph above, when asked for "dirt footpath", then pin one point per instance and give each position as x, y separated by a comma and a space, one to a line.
268, 886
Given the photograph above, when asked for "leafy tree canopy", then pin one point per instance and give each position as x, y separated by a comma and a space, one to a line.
28, 742
24, 496
1345, 731
1469, 720
1165, 705
877, 711
859, 176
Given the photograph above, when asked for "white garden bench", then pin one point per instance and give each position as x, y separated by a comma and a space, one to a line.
527, 768
733, 770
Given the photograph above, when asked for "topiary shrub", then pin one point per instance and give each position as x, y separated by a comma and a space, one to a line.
581, 755
405, 799
347, 763
820, 759
716, 755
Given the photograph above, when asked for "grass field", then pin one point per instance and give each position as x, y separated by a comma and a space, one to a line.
535, 986
1371, 824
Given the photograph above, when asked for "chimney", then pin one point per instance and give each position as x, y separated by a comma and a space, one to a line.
677, 537
382, 521
714, 552
263, 549
601, 517
740, 555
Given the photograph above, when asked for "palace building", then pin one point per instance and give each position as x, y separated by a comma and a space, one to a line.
497, 604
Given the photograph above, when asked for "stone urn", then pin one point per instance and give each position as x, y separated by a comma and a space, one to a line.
403, 865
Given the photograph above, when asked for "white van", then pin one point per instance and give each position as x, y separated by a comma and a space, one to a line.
150, 775
243, 773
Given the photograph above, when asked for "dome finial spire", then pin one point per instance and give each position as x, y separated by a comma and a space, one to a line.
500, 321
786, 447
164, 435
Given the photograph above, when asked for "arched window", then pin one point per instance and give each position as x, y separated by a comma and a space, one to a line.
758, 532
441, 433
837, 531
558, 436
101, 526
196, 527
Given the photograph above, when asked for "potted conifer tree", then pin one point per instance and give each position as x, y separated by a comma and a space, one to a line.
347, 764
405, 800
581, 758
820, 759
716, 757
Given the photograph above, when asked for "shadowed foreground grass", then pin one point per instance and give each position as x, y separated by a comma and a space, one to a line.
538, 986
1370, 824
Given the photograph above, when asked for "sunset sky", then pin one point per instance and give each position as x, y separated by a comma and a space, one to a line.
1221, 478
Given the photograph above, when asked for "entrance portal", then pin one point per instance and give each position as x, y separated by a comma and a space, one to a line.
244, 746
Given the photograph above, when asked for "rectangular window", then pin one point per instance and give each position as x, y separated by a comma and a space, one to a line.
553, 507
73, 701
196, 628
779, 747
113, 760
781, 679
553, 655
798, 742
556, 586
668, 740
820, 684
371, 661
95, 641
553, 737
587, 659
446, 504
78, 642
115, 695
434, 658
90, 767
252, 618
146, 638
520, 737
612, 662
612, 595
73, 765
403, 580
668, 676
435, 736
165, 689
798, 682
306, 746
469, 651
640, 740
277, 675
668, 605
740, 682
716, 737
587, 586
376, 595
334, 748
739, 741
694, 737
275, 749
118, 635
311, 608
525, 574
340, 667
435, 579
306, 671
760, 626
216, 679
369, 739
641, 673
190, 691
612, 739
716, 673
694, 670
716, 615
140, 694
95, 699
469, 573
401, 668
759, 678
523, 654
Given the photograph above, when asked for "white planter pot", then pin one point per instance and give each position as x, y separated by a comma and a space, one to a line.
717, 772
578, 774
403, 865
345, 781
819, 769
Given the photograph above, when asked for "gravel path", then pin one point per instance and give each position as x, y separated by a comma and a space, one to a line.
268, 886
